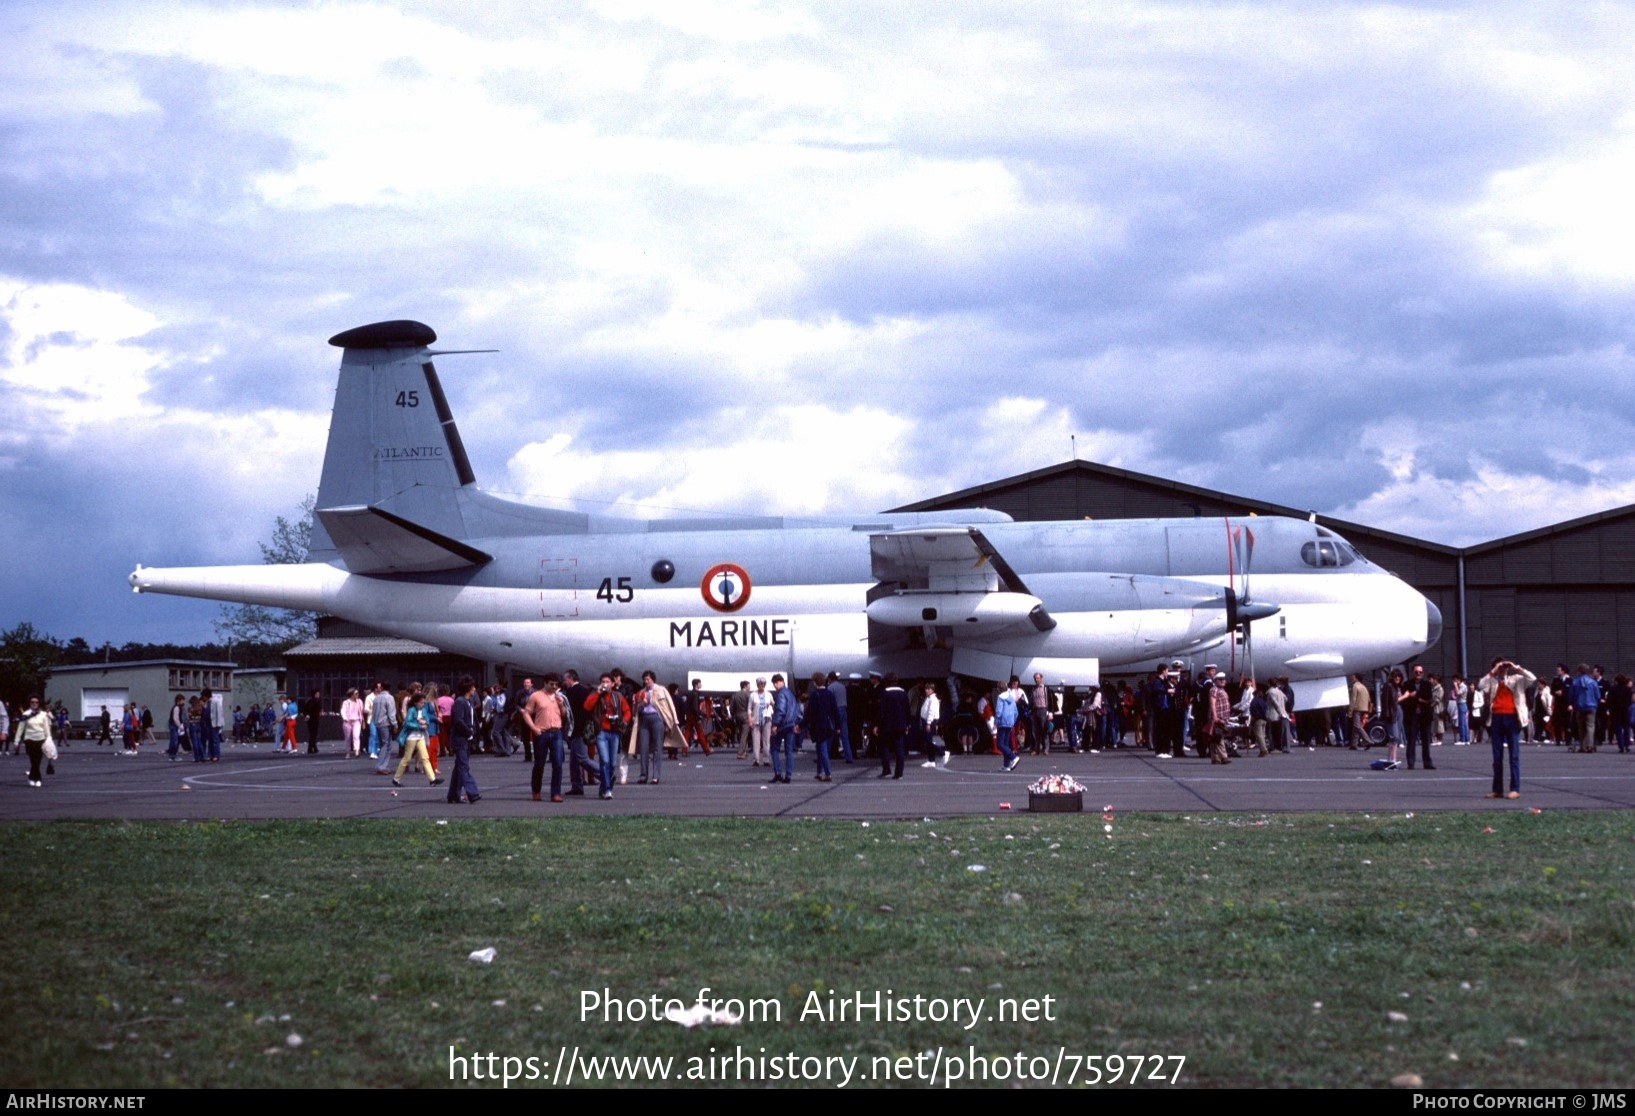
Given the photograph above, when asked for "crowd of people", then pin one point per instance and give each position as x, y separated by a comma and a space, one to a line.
600, 735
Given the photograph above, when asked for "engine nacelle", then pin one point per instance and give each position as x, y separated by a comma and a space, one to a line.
967, 613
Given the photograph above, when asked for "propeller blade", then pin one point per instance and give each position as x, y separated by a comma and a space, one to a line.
1248, 559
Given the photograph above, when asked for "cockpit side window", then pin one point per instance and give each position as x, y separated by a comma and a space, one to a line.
1329, 551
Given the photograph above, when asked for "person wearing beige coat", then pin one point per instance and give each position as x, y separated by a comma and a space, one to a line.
655, 727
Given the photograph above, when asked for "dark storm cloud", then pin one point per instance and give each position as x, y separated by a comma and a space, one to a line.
91, 526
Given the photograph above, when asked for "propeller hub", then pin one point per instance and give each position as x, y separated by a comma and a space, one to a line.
1257, 610
1243, 612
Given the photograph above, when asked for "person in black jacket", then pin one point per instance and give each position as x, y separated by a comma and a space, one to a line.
462, 730
1418, 714
1620, 697
891, 731
313, 710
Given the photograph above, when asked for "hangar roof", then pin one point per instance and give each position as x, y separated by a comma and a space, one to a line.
130, 663
1612, 515
360, 645
975, 495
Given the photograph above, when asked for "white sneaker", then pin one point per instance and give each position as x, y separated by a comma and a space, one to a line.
929, 763
942, 760
1162, 755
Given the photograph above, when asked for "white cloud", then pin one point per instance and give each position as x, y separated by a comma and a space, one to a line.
1567, 217
792, 459
80, 379
68, 354
1490, 506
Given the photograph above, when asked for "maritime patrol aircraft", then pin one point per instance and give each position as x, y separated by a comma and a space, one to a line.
405, 542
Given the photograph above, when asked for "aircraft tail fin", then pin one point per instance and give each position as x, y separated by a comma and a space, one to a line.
388, 498
391, 428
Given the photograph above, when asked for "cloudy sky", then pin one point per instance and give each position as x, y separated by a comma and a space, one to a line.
1374, 260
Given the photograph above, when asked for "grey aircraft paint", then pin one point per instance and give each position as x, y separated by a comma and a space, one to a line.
406, 543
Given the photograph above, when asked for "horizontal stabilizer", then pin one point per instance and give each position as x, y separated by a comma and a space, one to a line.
373, 541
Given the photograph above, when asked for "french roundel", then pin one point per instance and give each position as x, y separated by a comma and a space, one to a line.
725, 587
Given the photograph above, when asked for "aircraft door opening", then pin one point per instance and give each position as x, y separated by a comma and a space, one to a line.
558, 588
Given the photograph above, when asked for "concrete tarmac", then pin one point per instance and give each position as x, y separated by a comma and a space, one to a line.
255, 782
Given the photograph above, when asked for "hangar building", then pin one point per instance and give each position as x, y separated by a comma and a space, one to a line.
1563, 593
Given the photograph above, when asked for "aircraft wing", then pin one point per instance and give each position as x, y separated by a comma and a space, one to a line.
943, 573
374, 541
949, 559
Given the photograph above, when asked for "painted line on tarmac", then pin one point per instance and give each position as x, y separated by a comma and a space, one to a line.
225, 780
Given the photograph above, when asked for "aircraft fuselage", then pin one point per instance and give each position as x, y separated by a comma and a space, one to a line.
405, 543
1122, 593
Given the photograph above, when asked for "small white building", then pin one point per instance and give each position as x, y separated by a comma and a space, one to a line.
85, 690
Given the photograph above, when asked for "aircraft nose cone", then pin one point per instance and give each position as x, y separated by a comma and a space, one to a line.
1433, 624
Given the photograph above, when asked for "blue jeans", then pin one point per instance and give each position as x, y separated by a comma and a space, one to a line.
821, 747
580, 765
1002, 737
195, 740
550, 740
1505, 728
845, 738
607, 747
461, 779
783, 752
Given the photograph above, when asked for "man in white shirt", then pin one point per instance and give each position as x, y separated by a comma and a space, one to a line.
760, 722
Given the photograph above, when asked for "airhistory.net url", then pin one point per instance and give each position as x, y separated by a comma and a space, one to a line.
963, 1065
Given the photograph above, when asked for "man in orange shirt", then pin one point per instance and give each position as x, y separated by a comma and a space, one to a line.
546, 712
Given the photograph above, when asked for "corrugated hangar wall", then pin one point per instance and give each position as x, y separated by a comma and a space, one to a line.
1564, 594
1561, 594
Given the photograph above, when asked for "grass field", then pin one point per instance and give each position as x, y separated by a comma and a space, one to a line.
1309, 950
